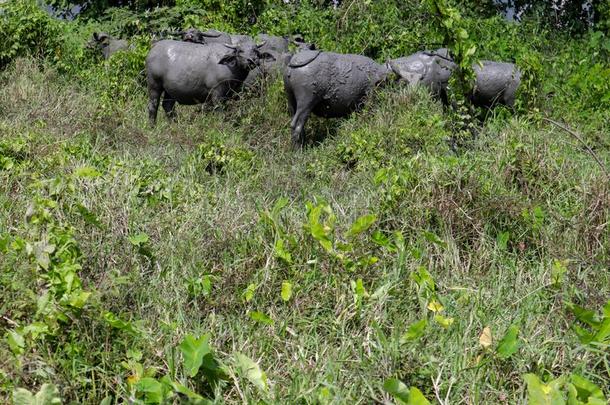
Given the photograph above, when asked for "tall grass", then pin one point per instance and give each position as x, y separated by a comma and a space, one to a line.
488, 224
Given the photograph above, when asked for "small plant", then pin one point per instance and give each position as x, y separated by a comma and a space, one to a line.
321, 226
598, 324
577, 389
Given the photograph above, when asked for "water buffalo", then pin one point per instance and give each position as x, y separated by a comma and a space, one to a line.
206, 37
279, 47
189, 73
327, 84
106, 44
496, 82
431, 69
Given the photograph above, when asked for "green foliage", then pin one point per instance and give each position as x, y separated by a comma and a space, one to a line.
579, 391
404, 395
251, 371
509, 344
25, 29
599, 325
137, 265
47, 395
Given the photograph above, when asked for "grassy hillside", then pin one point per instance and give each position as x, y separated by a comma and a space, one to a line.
205, 260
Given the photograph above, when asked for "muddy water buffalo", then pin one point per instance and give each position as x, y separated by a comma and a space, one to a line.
496, 82
279, 47
189, 73
327, 84
206, 37
106, 44
431, 69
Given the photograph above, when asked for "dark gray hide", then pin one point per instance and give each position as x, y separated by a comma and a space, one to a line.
238, 39
276, 46
431, 69
189, 73
279, 47
327, 84
206, 37
496, 82
106, 44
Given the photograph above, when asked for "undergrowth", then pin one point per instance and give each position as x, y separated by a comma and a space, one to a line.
207, 260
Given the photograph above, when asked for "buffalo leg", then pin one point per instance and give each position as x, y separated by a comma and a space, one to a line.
168, 105
154, 95
303, 104
298, 126
292, 103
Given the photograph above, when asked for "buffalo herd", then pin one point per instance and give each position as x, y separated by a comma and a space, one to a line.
210, 66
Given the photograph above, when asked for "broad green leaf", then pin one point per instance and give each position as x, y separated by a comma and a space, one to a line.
286, 291
431, 237
361, 224
417, 398
414, 331
251, 371
87, 172
380, 239
603, 333
16, 342
281, 252
21, 396
118, 323
404, 395
279, 205
48, 395
584, 315
79, 299
107, 400
539, 393
181, 389
397, 389
423, 279
261, 317
193, 351
444, 322
585, 389
36, 329
435, 306
248, 293
509, 344
138, 239
152, 389
558, 272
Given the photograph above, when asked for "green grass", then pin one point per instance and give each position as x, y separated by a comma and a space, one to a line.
487, 223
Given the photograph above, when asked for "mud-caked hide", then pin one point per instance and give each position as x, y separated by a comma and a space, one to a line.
188, 73
329, 85
496, 82
106, 44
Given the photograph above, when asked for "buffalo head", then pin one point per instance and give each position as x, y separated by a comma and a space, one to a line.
245, 56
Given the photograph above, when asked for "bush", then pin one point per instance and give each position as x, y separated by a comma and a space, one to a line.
25, 29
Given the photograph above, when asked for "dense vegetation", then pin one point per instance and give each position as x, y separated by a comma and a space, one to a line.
206, 262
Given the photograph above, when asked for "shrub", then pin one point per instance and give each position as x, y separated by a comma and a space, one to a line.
25, 29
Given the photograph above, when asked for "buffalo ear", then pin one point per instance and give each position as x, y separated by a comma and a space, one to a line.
96, 36
229, 60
